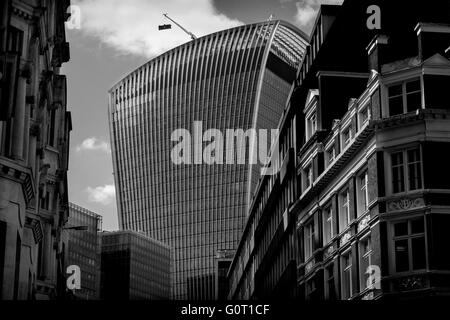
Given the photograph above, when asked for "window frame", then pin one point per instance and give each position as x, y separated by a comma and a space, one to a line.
362, 256
362, 192
404, 94
405, 166
343, 204
328, 220
349, 269
409, 236
308, 234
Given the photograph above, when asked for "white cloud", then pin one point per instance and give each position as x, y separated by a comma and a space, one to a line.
131, 26
104, 194
93, 144
307, 11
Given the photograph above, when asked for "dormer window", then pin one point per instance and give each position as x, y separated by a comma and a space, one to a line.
405, 97
311, 119
307, 177
364, 116
330, 155
311, 125
346, 136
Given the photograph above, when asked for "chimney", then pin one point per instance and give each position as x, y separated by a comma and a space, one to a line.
377, 51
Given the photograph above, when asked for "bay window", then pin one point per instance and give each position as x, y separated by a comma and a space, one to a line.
405, 97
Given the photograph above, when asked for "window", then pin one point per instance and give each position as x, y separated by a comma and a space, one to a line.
409, 245
405, 97
311, 290
311, 125
330, 288
346, 136
344, 213
363, 194
328, 225
309, 240
346, 267
414, 169
308, 176
364, 116
365, 260
406, 175
331, 155
398, 174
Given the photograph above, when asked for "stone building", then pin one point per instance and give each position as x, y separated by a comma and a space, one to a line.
34, 147
360, 207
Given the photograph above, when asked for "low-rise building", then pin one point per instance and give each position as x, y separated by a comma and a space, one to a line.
134, 267
84, 250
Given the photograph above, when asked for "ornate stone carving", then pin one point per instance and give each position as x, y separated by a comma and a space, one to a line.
310, 265
405, 204
345, 238
410, 283
364, 223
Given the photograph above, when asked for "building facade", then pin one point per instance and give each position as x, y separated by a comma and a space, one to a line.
361, 204
34, 147
234, 79
84, 250
134, 267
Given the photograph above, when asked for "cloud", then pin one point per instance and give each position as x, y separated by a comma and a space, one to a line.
131, 27
104, 194
93, 144
307, 11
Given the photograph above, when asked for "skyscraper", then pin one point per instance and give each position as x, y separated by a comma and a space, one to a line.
233, 79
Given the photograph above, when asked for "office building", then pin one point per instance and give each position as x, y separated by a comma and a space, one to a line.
84, 250
134, 267
233, 79
34, 148
360, 208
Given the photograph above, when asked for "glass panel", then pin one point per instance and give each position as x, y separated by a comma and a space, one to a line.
395, 90
417, 226
395, 100
401, 229
398, 175
414, 169
401, 255
414, 101
413, 86
418, 253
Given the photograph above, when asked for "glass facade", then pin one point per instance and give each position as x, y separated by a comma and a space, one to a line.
134, 267
234, 79
83, 250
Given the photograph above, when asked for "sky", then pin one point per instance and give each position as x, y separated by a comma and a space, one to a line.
109, 39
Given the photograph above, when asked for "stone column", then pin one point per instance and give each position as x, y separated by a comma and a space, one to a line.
19, 118
34, 132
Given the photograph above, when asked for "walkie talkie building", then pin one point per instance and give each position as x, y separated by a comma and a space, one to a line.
233, 79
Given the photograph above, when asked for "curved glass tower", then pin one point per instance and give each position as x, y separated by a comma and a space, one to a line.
233, 79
